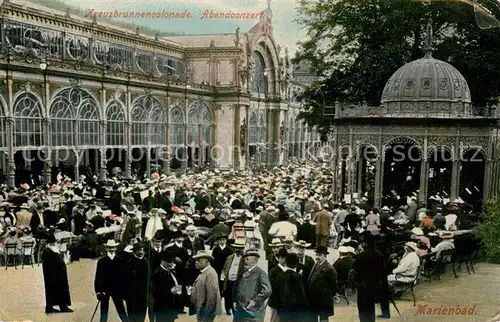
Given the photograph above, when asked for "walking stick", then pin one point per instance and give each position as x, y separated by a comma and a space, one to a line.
95, 311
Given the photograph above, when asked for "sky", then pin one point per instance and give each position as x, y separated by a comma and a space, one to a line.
286, 31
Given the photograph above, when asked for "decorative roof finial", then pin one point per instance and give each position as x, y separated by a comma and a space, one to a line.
429, 39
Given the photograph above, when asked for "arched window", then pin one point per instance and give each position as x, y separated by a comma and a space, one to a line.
139, 117
28, 128
206, 135
258, 77
253, 130
115, 131
193, 123
176, 126
73, 105
262, 131
157, 125
88, 124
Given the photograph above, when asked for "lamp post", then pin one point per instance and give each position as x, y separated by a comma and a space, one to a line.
43, 65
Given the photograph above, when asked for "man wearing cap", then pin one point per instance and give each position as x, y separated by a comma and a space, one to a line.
407, 269
137, 277
344, 263
232, 268
166, 291
251, 290
109, 281
205, 294
322, 287
306, 262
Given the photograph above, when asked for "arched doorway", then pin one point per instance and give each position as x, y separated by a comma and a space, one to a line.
28, 139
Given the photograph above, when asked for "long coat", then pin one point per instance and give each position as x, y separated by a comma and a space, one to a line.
253, 285
55, 278
137, 278
220, 256
276, 278
109, 276
205, 295
322, 287
323, 222
370, 276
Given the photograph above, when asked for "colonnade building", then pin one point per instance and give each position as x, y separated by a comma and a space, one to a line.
79, 95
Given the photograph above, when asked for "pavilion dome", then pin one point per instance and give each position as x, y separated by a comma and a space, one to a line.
427, 86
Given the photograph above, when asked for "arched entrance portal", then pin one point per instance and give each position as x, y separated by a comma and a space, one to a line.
401, 171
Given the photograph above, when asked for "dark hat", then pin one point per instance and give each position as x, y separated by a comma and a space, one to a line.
176, 234
51, 239
159, 235
167, 256
322, 250
292, 259
282, 253
138, 245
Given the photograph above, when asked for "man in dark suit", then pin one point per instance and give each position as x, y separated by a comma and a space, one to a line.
220, 253
192, 245
276, 277
166, 292
293, 301
180, 254
137, 284
109, 281
370, 276
322, 287
306, 262
153, 255
343, 265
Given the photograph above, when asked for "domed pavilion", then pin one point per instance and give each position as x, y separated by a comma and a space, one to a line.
425, 139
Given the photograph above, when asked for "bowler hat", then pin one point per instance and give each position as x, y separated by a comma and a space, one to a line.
176, 234
167, 256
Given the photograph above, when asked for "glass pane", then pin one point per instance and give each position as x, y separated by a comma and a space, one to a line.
28, 126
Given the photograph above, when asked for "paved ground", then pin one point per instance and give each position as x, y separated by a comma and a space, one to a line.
22, 296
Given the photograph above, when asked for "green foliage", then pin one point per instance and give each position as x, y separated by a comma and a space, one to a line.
489, 230
356, 45
58, 5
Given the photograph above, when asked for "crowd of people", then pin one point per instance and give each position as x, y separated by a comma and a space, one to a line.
191, 244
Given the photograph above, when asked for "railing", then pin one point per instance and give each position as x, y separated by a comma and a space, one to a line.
460, 112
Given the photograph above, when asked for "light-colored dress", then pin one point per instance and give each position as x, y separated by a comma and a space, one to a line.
373, 223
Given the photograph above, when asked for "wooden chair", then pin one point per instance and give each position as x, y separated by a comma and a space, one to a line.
409, 286
10, 252
28, 250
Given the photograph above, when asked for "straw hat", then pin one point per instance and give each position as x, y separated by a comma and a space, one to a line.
302, 243
412, 245
111, 243
276, 242
203, 254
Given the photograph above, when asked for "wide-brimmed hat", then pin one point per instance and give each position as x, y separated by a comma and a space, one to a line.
322, 250
343, 249
276, 242
412, 245
208, 210
302, 243
417, 231
203, 254
111, 243
239, 243
252, 252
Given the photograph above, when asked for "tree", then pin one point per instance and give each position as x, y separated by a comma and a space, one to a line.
489, 230
354, 46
